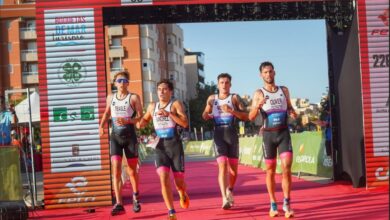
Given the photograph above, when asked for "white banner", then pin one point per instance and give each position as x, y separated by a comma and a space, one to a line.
72, 32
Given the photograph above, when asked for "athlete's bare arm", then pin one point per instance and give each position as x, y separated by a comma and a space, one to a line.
257, 102
178, 114
290, 109
208, 109
239, 108
106, 114
147, 117
136, 102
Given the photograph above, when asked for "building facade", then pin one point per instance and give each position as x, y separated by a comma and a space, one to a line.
194, 68
148, 52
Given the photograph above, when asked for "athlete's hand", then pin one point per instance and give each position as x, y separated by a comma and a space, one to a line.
262, 102
207, 116
293, 114
123, 121
162, 112
101, 131
226, 108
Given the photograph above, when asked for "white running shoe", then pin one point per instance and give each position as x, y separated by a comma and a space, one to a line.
288, 212
225, 204
229, 196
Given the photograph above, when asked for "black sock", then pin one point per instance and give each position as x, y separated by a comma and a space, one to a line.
171, 211
135, 195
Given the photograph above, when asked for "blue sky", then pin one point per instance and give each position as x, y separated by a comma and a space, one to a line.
297, 49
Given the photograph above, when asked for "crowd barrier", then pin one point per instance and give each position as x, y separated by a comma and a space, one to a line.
308, 153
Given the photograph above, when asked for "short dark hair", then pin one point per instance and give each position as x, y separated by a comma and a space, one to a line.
166, 81
264, 64
122, 73
224, 75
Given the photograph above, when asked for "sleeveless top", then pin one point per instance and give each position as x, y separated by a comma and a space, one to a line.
121, 108
222, 118
165, 126
274, 110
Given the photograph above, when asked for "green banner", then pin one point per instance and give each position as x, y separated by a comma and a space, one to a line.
10, 176
308, 153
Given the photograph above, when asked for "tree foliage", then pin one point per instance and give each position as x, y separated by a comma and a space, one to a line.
197, 105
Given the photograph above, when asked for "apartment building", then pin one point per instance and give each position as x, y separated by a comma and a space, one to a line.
148, 52
194, 68
176, 69
18, 45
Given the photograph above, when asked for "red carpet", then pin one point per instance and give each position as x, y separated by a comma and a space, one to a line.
310, 200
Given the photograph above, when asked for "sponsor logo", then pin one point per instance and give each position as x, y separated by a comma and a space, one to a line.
62, 114
305, 159
384, 17
76, 186
381, 175
72, 72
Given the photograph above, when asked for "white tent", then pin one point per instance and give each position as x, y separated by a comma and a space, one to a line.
22, 109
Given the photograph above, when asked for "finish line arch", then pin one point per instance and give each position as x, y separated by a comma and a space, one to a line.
72, 82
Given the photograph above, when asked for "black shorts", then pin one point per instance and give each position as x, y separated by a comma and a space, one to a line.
278, 140
226, 142
170, 154
127, 144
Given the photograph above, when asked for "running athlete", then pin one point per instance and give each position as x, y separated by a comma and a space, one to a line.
274, 104
224, 108
125, 110
166, 114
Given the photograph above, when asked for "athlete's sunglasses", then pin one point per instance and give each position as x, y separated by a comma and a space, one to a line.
122, 80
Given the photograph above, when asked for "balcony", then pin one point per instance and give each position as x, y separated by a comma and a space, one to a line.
29, 55
148, 54
28, 34
30, 78
148, 75
116, 52
201, 73
115, 30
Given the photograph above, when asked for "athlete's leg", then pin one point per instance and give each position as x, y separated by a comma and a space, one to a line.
233, 170
270, 167
116, 162
286, 155
132, 170
286, 159
166, 189
222, 174
181, 187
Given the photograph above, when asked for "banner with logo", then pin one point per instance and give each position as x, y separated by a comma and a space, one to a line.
308, 153
72, 84
374, 61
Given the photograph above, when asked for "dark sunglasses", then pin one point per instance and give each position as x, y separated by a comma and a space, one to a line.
121, 80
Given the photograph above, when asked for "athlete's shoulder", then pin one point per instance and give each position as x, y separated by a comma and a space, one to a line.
284, 88
259, 92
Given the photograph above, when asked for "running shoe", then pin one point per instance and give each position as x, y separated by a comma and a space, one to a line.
184, 200
172, 217
288, 212
117, 209
136, 205
229, 196
273, 212
226, 204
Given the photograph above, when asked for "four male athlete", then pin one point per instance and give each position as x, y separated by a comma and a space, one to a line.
224, 108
